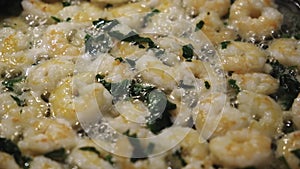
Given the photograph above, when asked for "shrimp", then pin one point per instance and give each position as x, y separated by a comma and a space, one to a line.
286, 145
229, 118
64, 39
7, 161
266, 113
256, 82
296, 111
242, 57
46, 135
286, 51
255, 18
214, 28
61, 100
41, 162
48, 74
202, 6
88, 159
241, 148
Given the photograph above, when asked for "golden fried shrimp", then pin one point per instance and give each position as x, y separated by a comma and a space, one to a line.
241, 148
256, 82
214, 28
242, 57
255, 18
7, 161
266, 113
45, 135
41, 162
296, 111
286, 146
193, 7
286, 51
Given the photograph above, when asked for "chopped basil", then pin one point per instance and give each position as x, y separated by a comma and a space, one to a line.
11, 148
149, 15
185, 86
199, 25
58, 155
289, 86
207, 85
120, 59
121, 90
108, 158
188, 52
225, 44
68, 19
139, 152
106, 25
87, 37
66, 3
296, 153
108, 5
131, 63
56, 19
232, 84
100, 79
176, 160
159, 106
19, 102
91, 149
9, 84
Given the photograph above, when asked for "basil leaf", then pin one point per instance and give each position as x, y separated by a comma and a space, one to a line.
121, 90
207, 85
233, 85
108, 158
56, 19
199, 25
159, 106
58, 155
9, 84
66, 3
105, 24
11, 148
91, 149
289, 86
225, 44
20, 103
188, 52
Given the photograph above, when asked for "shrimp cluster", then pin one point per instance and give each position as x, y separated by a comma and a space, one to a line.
255, 18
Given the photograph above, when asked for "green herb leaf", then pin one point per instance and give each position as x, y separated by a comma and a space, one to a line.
199, 25
176, 160
234, 86
65, 3
185, 86
100, 79
58, 155
11, 148
207, 85
106, 25
289, 86
224, 44
120, 59
296, 153
68, 19
55, 19
149, 15
19, 102
9, 84
159, 106
121, 90
188, 52
108, 158
91, 149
